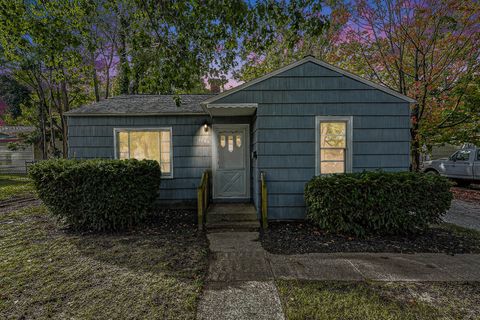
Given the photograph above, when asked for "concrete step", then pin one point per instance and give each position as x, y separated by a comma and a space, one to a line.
222, 217
233, 226
227, 208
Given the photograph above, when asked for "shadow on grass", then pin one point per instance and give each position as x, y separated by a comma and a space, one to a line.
10, 182
168, 244
152, 272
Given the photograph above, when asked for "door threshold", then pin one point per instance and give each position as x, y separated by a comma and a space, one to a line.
232, 200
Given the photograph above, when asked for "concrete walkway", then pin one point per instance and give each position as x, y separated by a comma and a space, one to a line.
240, 280
376, 266
241, 274
465, 214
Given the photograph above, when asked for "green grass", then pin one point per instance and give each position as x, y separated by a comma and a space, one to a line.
15, 185
328, 300
460, 231
50, 272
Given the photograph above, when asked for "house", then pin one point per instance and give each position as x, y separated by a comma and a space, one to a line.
15, 161
305, 119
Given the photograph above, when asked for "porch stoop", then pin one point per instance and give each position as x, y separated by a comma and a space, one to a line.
232, 216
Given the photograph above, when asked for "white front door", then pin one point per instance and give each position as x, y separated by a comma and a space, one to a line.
231, 161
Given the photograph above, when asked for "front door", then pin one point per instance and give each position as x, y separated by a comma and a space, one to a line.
230, 161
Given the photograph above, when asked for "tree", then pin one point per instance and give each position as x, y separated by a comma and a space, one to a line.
428, 50
288, 32
65, 52
173, 45
40, 42
14, 95
460, 124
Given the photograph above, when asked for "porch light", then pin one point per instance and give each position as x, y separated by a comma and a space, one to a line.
205, 126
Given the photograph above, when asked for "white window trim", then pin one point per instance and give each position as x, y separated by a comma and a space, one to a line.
115, 143
349, 145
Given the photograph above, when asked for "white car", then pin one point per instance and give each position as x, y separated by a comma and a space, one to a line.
463, 166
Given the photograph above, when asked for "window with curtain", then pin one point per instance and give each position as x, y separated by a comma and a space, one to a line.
333, 135
151, 144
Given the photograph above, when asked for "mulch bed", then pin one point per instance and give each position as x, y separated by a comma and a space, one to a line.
471, 194
299, 238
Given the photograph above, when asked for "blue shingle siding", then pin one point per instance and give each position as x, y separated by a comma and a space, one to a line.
92, 137
284, 130
254, 163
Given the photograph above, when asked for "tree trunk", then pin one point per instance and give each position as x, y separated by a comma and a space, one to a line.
107, 83
415, 139
122, 51
94, 78
43, 110
53, 144
63, 109
43, 131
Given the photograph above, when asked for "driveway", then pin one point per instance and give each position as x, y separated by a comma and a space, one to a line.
465, 214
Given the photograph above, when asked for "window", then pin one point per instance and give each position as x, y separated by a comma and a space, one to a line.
151, 144
462, 155
333, 139
478, 155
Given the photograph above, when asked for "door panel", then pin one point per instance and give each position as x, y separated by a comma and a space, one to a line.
462, 166
476, 166
230, 161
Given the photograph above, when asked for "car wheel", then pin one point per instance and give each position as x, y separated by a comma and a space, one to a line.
432, 172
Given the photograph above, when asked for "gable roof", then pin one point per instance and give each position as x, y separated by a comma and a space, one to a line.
300, 62
143, 105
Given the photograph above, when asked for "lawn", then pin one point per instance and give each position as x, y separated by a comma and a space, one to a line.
327, 300
15, 186
48, 271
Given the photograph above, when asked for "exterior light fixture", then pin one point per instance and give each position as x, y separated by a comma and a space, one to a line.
205, 126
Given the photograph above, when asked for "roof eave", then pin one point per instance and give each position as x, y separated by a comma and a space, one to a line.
90, 114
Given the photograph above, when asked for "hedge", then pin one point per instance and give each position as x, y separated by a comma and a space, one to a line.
377, 202
98, 194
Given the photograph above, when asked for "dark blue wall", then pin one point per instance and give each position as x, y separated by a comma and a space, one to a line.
282, 134
284, 130
92, 137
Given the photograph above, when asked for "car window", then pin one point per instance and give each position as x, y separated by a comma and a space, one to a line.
463, 155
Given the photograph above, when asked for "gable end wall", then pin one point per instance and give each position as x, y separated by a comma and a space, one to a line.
284, 130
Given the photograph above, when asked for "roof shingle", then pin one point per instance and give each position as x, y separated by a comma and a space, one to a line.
143, 104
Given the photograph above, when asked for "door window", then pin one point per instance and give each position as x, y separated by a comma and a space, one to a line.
222, 141
230, 143
239, 141
231, 153
462, 155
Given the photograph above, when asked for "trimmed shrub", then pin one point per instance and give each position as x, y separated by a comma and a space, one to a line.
98, 194
377, 202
